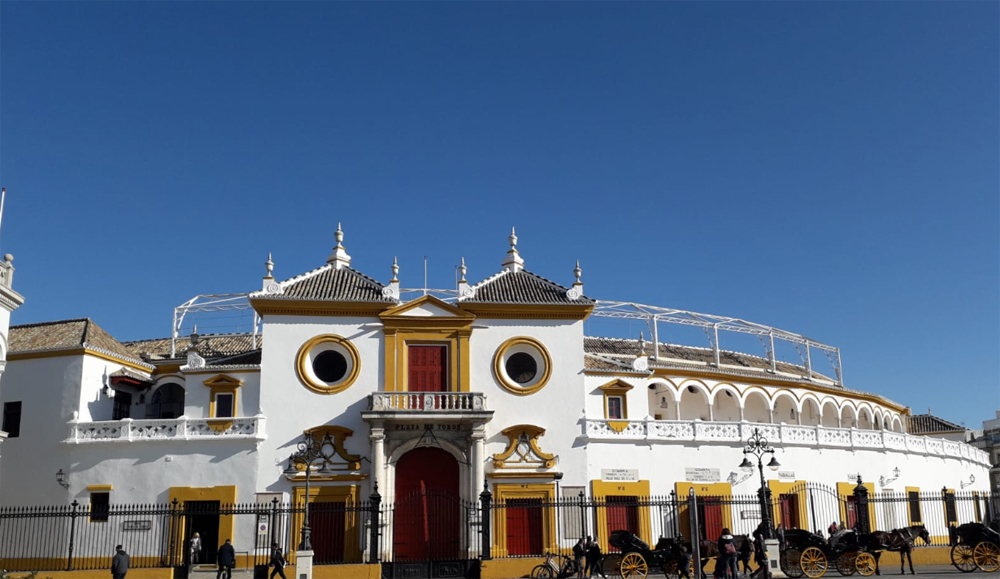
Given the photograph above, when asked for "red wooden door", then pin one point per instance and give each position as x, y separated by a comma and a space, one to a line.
427, 521
790, 511
710, 516
328, 531
524, 527
428, 368
622, 514
852, 511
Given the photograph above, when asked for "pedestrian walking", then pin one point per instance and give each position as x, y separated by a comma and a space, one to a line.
593, 556
195, 548
278, 561
579, 552
683, 563
727, 554
832, 530
226, 560
119, 563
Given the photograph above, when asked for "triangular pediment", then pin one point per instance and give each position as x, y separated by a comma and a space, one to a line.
223, 381
426, 307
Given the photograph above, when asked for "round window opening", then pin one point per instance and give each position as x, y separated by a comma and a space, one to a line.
521, 367
330, 366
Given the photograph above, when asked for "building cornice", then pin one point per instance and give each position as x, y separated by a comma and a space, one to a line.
84, 351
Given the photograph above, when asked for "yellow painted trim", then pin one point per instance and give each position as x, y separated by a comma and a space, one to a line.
348, 494
397, 343
847, 490
503, 492
81, 352
286, 307
528, 312
513, 435
92, 488
723, 490
99, 570
779, 488
618, 388
329, 477
90, 516
226, 495
319, 387
464, 363
944, 505
616, 425
519, 475
920, 506
396, 315
600, 490
339, 434
501, 375
222, 381
193, 372
211, 403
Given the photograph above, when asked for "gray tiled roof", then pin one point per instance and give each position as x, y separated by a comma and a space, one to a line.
64, 335
928, 423
523, 287
126, 373
251, 358
331, 284
209, 346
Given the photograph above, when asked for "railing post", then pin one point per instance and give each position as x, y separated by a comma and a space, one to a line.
174, 529
273, 522
375, 504
583, 515
861, 500
72, 534
695, 537
485, 524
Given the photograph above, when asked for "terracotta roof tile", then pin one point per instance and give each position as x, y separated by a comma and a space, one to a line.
928, 423
330, 284
64, 335
209, 346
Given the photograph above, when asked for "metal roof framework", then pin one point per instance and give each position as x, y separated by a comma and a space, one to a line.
652, 316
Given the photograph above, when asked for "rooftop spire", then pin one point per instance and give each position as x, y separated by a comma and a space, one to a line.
513, 262
269, 265
462, 270
339, 258
395, 270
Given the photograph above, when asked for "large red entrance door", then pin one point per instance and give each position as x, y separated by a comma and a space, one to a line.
428, 368
622, 513
427, 523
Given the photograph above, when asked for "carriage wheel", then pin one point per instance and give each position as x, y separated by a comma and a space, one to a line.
845, 563
634, 566
962, 559
865, 564
612, 565
790, 560
813, 562
987, 556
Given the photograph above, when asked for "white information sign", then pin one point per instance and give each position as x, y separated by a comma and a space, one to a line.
786, 474
702, 474
619, 474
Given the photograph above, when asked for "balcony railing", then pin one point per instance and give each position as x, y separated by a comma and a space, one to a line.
786, 434
183, 428
427, 402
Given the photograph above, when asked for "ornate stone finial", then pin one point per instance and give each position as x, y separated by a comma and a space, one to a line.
513, 262
339, 258
577, 272
269, 265
642, 344
462, 270
194, 335
395, 270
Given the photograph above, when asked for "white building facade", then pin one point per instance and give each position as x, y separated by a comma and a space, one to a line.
496, 386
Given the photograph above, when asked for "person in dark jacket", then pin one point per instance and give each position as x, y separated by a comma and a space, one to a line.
227, 560
278, 560
727, 554
594, 557
119, 563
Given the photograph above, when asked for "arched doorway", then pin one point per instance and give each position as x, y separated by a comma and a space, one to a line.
429, 513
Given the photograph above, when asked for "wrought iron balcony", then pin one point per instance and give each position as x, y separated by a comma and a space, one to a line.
167, 429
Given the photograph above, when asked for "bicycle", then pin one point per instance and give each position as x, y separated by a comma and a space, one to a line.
552, 569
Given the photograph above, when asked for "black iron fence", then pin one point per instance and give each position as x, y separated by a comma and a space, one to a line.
435, 527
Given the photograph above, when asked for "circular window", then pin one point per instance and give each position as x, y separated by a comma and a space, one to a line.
328, 364
522, 365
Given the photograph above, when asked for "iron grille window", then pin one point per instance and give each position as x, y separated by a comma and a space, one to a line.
12, 419
122, 407
913, 498
950, 511
100, 506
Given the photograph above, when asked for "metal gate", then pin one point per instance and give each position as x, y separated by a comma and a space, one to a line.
823, 507
431, 536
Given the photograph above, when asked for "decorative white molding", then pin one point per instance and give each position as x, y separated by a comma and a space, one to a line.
183, 428
427, 402
649, 430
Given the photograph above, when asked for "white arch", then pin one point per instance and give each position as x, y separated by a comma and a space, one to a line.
726, 405
694, 401
830, 413
662, 399
848, 415
897, 423
864, 416
756, 406
788, 412
810, 414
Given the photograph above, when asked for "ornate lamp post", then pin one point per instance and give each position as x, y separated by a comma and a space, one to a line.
310, 452
757, 446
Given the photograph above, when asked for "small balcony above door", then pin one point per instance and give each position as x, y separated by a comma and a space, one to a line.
421, 406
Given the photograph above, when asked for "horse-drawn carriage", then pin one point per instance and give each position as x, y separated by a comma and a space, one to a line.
975, 546
805, 553
636, 559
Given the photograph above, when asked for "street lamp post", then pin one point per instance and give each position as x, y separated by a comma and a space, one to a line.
310, 453
757, 446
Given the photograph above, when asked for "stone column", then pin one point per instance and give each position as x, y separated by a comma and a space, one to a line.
477, 439
377, 438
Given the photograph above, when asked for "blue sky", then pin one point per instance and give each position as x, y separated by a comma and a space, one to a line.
826, 168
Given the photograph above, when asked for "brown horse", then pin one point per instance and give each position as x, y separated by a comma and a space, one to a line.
898, 540
744, 548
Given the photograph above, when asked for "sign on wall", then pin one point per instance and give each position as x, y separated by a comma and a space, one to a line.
702, 474
786, 474
137, 525
619, 474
